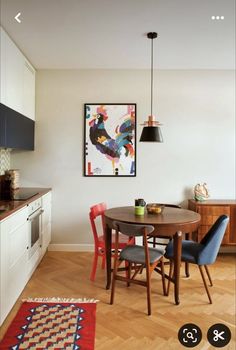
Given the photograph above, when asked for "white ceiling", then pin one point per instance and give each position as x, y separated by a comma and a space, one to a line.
111, 33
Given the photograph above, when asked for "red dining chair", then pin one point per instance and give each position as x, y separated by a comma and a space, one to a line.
96, 214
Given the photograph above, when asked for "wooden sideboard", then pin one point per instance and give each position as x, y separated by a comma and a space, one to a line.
210, 210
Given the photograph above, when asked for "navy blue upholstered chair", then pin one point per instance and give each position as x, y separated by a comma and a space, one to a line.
203, 253
136, 258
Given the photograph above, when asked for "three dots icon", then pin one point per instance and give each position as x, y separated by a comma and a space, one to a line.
217, 18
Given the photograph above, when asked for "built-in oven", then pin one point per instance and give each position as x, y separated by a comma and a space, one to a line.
35, 224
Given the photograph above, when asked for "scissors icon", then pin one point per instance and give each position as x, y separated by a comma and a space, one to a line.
218, 335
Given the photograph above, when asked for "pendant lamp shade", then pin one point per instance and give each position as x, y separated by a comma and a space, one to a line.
151, 130
151, 134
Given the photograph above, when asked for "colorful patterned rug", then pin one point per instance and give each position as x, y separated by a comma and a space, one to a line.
67, 324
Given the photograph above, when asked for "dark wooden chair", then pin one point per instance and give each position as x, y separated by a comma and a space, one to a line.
203, 253
136, 257
161, 241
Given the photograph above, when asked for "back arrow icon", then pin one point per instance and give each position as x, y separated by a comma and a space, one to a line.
17, 17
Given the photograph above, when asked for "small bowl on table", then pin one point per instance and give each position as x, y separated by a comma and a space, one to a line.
155, 208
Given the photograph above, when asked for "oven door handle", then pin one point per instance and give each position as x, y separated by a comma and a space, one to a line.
35, 215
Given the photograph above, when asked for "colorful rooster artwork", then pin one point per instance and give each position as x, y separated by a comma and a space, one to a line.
110, 140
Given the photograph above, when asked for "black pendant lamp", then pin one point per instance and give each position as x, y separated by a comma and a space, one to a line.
151, 130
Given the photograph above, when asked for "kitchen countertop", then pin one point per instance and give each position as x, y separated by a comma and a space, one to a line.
8, 207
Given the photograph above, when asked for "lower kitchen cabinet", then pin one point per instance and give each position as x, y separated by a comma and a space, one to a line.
210, 210
46, 221
14, 241
16, 262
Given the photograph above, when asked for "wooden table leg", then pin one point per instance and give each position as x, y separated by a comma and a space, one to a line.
177, 263
108, 254
187, 274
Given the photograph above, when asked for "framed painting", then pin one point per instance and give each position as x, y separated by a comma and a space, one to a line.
110, 139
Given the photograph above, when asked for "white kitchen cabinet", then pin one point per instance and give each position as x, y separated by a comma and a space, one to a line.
17, 78
46, 221
28, 90
3, 66
14, 239
18, 259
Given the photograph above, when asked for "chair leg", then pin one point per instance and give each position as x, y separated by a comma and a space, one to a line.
148, 281
208, 275
103, 261
163, 277
94, 268
205, 284
171, 271
116, 265
129, 273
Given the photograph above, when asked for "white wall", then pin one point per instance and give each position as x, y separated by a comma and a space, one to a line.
197, 112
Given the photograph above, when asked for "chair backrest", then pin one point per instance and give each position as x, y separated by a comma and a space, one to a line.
171, 205
132, 229
212, 241
95, 212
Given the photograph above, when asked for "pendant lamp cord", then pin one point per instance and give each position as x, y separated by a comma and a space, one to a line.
151, 75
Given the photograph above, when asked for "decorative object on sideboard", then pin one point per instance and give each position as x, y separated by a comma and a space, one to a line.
151, 130
201, 192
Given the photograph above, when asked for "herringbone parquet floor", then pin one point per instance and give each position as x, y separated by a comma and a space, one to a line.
125, 325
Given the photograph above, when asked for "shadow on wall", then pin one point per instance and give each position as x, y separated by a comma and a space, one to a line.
188, 194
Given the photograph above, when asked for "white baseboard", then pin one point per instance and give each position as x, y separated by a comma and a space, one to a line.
71, 247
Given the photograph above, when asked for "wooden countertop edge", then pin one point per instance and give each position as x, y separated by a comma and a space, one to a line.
22, 203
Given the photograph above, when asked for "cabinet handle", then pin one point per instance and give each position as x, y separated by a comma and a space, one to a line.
35, 214
27, 247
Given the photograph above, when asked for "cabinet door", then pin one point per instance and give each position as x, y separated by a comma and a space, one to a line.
19, 131
14, 259
2, 127
209, 214
17, 78
29, 91
3, 66
13, 76
46, 221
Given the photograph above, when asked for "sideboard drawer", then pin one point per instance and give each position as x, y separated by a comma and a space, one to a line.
210, 211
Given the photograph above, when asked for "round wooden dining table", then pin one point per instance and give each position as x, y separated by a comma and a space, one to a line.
172, 223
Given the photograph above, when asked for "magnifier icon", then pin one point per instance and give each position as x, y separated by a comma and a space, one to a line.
189, 335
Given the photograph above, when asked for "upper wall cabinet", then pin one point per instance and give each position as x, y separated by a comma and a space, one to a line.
28, 91
17, 79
